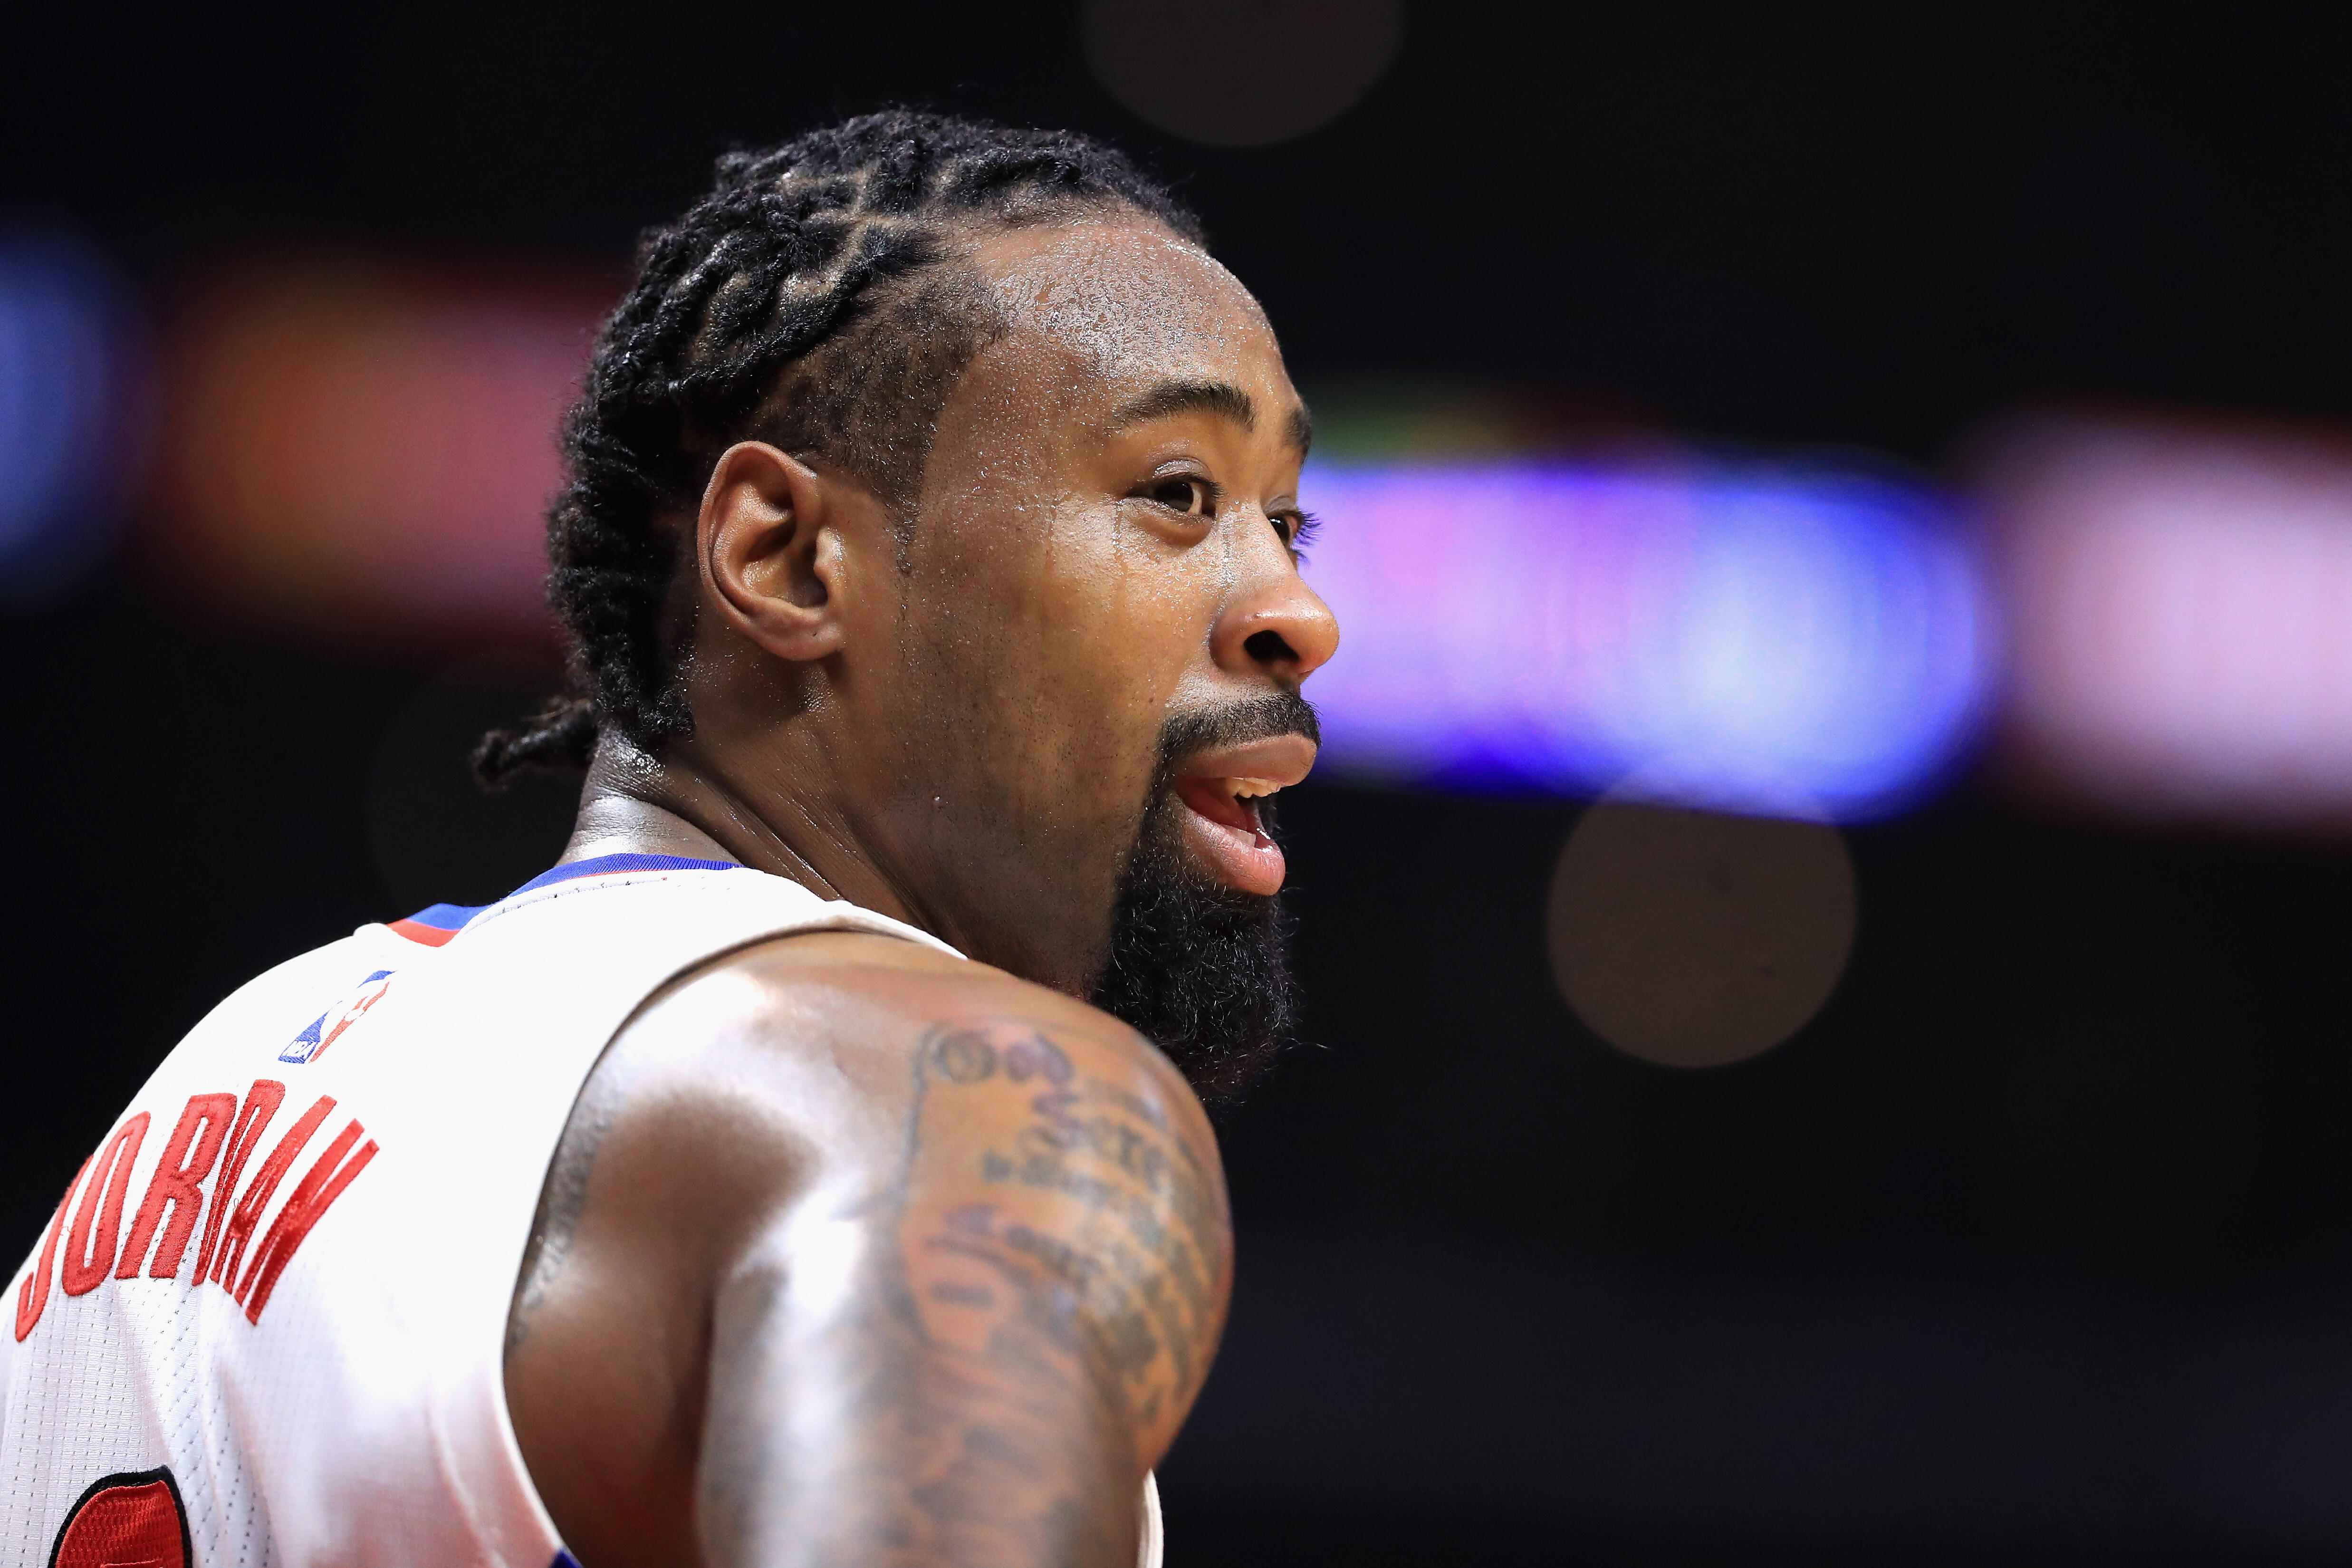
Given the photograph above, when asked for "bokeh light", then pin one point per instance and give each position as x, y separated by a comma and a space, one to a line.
2181, 597
1691, 938
1240, 73
362, 453
1746, 639
69, 450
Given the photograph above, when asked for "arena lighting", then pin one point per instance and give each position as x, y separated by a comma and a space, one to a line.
2181, 597
356, 452
66, 374
1747, 638
360, 453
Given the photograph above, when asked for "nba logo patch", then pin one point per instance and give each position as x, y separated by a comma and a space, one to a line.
312, 1043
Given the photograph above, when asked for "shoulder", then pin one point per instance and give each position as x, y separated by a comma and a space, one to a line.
1022, 1187
1032, 1168
819, 1060
330, 968
882, 1018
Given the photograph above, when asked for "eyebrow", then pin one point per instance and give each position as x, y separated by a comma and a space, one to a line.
1220, 397
1301, 432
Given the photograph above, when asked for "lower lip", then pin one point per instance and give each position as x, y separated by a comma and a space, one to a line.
1239, 857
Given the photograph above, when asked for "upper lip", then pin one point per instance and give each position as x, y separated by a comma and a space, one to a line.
1274, 763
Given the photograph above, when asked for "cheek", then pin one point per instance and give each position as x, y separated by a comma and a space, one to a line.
1098, 617
1040, 658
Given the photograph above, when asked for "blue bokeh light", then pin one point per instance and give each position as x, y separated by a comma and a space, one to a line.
1748, 638
65, 387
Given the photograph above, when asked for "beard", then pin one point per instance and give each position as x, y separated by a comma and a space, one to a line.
1200, 969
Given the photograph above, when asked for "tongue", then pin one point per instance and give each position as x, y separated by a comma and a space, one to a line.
1225, 833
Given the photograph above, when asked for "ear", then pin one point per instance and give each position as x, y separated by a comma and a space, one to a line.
771, 560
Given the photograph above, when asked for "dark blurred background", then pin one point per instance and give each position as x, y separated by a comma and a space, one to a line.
2033, 1244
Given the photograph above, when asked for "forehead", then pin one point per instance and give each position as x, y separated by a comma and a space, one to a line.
1117, 305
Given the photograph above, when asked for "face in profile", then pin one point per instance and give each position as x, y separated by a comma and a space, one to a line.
1101, 635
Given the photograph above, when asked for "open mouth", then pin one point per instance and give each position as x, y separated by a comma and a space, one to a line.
1225, 790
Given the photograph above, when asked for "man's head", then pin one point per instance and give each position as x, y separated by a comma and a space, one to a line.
935, 500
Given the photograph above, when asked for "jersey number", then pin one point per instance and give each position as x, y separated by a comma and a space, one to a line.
134, 1520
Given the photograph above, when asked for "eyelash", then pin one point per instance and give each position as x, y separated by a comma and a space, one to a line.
1301, 527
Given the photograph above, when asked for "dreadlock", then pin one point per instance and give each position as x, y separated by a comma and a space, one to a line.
805, 299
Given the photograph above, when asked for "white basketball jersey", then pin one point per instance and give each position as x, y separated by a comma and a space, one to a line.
267, 1322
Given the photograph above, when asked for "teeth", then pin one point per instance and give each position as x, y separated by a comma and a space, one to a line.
1252, 789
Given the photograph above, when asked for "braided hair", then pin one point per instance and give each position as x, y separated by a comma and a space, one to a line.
807, 300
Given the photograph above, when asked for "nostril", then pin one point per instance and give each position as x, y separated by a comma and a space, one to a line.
1268, 647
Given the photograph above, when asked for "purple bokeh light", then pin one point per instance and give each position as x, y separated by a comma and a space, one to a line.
1779, 641
67, 453
2181, 595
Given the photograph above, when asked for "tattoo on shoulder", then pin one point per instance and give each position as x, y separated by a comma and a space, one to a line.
1100, 1238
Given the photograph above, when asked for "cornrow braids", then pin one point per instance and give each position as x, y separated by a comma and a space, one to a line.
806, 300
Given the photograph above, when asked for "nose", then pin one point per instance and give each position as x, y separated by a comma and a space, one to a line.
1275, 623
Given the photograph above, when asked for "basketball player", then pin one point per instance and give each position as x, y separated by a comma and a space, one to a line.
790, 1176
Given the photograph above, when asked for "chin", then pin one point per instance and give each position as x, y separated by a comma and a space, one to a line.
1199, 968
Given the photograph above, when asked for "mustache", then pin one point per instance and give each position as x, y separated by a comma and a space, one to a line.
1234, 725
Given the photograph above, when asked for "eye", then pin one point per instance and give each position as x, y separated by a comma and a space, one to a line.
1194, 496
1296, 528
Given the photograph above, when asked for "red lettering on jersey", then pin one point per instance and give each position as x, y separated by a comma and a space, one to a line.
33, 1296
202, 1133
90, 1251
240, 1227
175, 1183
261, 1102
322, 1186
126, 1522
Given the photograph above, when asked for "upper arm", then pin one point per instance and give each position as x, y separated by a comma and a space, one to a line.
1062, 1197
961, 1258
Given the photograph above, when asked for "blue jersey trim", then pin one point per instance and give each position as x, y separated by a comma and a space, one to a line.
446, 917
605, 865
434, 927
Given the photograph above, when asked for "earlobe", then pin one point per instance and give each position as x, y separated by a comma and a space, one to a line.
771, 560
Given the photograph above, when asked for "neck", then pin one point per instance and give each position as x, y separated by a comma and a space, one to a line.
633, 804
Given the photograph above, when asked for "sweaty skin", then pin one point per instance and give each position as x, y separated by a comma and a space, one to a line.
853, 1253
